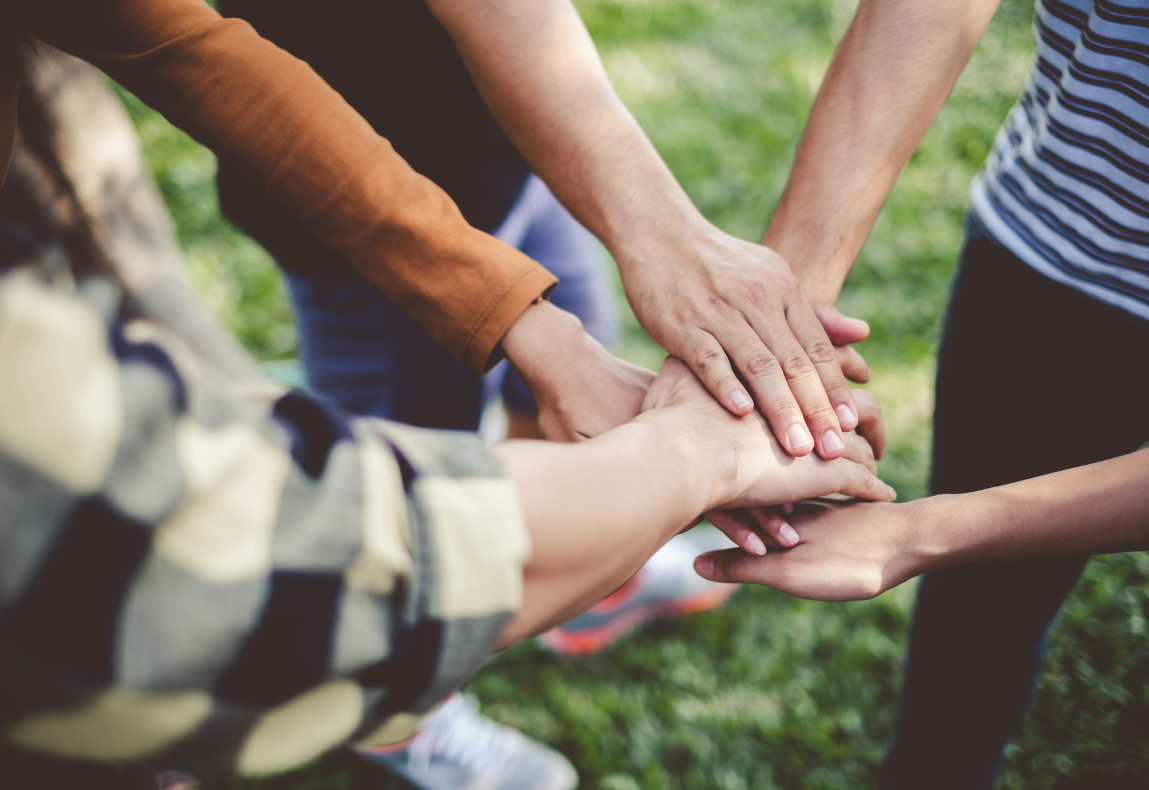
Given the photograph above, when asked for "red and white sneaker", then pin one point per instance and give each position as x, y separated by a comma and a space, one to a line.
667, 586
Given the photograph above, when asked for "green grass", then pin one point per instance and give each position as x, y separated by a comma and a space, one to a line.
768, 691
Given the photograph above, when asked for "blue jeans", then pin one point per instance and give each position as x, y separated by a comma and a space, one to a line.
1032, 378
366, 354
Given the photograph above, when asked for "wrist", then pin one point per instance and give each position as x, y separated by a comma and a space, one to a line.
706, 463
819, 250
938, 531
541, 334
657, 240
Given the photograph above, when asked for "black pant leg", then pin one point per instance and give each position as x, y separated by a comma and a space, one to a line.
1032, 378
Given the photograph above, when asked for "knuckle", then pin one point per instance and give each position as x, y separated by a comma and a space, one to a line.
862, 478
821, 351
797, 364
707, 358
761, 365
821, 411
720, 304
763, 299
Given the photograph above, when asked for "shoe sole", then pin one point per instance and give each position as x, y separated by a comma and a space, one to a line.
586, 642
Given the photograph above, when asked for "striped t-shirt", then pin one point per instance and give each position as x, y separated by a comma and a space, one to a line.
1066, 188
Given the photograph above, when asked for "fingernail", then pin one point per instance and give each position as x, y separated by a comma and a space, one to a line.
788, 507
704, 566
755, 544
893, 493
788, 535
846, 415
739, 400
799, 436
831, 442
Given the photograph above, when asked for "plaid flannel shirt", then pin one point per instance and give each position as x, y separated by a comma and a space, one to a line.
214, 580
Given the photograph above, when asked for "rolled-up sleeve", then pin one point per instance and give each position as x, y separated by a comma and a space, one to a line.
197, 577
299, 141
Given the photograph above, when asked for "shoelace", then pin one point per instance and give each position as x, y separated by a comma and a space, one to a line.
458, 733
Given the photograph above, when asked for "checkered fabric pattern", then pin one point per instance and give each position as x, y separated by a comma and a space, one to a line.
197, 578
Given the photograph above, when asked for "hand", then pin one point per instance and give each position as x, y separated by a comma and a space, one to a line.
843, 553
750, 467
756, 529
725, 305
581, 389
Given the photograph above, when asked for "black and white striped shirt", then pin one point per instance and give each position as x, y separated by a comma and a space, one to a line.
1066, 188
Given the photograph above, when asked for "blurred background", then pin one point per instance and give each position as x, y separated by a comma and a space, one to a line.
767, 691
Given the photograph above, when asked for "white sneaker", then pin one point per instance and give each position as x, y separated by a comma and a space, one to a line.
459, 749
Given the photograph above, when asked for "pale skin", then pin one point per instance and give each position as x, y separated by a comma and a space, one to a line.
859, 551
719, 303
597, 510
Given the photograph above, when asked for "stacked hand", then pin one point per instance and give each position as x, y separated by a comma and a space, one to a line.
746, 461
732, 309
840, 552
756, 529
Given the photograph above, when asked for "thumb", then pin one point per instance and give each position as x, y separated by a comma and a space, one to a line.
841, 329
735, 565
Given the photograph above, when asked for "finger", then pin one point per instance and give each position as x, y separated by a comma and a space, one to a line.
841, 329
770, 523
735, 525
858, 481
811, 368
732, 565
859, 451
708, 360
871, 423
772, 392
853, 365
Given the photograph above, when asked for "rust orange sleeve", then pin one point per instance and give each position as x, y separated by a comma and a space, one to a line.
257, 105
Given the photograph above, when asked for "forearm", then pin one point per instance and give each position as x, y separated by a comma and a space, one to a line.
1096, 509
540, 74
302, 144
596, 511
886, 83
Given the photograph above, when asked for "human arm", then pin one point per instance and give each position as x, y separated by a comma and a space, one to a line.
706, 297
301, 143
859, 551
888, 79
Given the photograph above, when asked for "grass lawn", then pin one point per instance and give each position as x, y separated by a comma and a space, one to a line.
768, 691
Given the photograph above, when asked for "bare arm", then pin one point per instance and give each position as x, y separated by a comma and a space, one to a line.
717, 302
887, 82
860, 551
